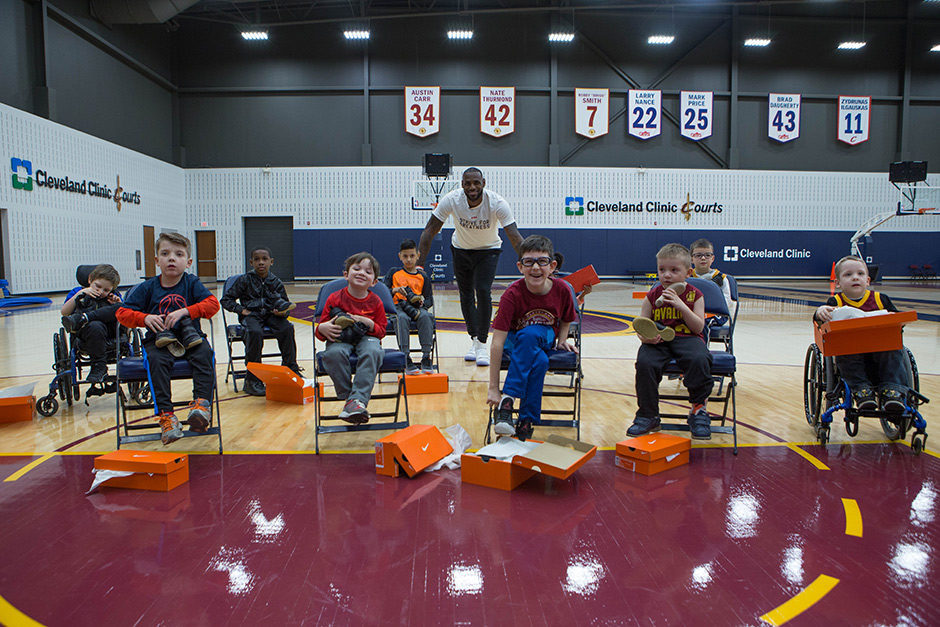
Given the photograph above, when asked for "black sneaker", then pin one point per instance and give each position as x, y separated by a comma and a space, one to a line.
411, 367
643, 425
892, 400
189, 337
502, 421
166, 339
74, 323
524, 430
283, 306
97, 373
411, 297
865, 399
700, 424
254, 387
353, 334
341, 318
426, 365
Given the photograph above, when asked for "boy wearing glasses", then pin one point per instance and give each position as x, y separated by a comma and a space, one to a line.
533, 319
703, 255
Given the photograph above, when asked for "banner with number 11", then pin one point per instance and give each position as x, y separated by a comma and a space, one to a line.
854, 119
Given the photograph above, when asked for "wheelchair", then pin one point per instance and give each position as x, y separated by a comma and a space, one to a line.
70, 362
822, 383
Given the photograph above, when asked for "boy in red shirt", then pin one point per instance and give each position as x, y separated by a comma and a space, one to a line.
359, 313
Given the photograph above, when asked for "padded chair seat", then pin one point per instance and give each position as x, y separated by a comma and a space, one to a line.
394, 361
722, 364
133, 369
557, 360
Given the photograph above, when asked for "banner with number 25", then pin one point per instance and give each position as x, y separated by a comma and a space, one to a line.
422, 110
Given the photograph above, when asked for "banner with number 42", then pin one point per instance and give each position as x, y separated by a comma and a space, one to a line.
497, 110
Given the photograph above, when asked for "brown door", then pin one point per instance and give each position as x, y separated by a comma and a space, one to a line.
205, 256
150, 255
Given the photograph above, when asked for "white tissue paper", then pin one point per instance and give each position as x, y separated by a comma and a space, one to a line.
309, 383
460, 440
103, 474
505, 448
848, 313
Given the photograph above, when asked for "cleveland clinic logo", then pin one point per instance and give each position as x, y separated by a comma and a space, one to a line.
19, 183
574, 206
731, 253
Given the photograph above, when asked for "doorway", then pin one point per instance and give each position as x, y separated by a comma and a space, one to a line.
205, 257
276, 234
150, 253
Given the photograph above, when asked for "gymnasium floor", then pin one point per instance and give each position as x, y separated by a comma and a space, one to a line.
270, 534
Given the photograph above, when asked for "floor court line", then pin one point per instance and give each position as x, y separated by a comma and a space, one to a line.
808, 597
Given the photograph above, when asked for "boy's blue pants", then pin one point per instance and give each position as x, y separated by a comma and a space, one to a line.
528, 363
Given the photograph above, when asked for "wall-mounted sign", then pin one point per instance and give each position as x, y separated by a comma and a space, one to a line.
854, 118
591, 112
497, 110
422, 110
697, 113
644, 113
783, 117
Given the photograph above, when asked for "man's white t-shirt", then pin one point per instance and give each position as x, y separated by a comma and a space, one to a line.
476, 228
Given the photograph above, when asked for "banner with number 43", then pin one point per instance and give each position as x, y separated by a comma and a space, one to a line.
783, 117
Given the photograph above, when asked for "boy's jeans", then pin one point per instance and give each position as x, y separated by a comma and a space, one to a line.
336, 363
528, 363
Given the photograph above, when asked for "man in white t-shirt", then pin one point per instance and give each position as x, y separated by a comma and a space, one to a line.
478, 214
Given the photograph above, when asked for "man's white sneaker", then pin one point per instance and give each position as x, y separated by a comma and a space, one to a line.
483, 355
472, 351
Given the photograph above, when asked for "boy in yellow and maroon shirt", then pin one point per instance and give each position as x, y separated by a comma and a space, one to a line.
672, 330
891, 381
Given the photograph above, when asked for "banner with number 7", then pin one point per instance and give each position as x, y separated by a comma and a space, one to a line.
422, 110
591, 112
854, 119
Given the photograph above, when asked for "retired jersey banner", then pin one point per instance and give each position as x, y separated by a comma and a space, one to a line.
644, 113
783, 117
422, 110
697, 113
854, 118
497, 110
591, 109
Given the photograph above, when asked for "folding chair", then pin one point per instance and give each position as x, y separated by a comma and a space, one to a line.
133, 370
394, 361
928, 271
724, 334
724, 366
235, 334
414, 349
916, 272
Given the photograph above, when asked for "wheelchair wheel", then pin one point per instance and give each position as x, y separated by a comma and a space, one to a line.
140, 392
47, 405
917, 443
814, 384
898, 430
63, 365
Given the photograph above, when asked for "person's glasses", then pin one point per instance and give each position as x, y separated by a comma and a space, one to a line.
528, 262
703, 255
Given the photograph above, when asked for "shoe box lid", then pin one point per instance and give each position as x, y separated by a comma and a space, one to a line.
871, 334
415, 447
283, 384
653, 446
557, 457
151, 462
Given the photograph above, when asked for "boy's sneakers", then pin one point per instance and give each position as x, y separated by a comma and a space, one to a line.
892, 400
524, 430
700, 423
502, 421
648, 329
97, 373
341, 318
283, 306
472, 352
643, 425
354, 412
483, 355
189, 337
166, 339
352, 331
411, 297
170, 426
74, 323
678, 288
411, 367
254, 386
199, 414
865, 399
426, 366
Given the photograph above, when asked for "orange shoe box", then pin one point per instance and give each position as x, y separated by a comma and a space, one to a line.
283, 384
426, 383
557, 457
863, 335
152, 470
414, 448
652, 453
17, 404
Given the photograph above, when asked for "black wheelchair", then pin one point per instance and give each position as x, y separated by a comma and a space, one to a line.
822, 384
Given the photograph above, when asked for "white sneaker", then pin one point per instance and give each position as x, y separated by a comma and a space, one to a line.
472, 351
482, 354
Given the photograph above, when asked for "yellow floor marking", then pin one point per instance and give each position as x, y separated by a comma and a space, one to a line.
12, 617
25, 469
853, 518
801, 602
808, 457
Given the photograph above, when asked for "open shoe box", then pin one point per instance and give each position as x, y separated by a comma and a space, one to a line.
412, 449
652, 453
17, 404
871, 334
557, 457
153, 470
284, 385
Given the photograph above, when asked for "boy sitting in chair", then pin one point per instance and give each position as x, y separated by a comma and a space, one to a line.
89, 312
260, 300
703, 255
162, 304
533, 318
865, 373
670, 326
354, 321
411, 290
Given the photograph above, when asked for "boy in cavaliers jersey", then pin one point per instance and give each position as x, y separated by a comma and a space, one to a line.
866, 373
672, 330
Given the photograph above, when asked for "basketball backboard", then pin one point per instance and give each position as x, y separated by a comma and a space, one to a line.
919, 200
426, 194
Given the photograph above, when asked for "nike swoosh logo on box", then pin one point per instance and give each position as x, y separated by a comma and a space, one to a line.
425, 447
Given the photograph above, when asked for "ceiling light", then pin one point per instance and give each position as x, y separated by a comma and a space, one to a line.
660, 40
356, 34
255, 35
935, 48
851, 45
565, 37
460, 34
756, 42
